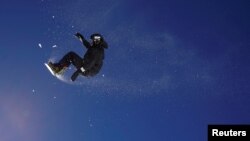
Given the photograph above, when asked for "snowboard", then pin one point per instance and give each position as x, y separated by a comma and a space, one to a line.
50, 70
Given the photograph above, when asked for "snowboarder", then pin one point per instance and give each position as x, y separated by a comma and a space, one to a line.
87, 66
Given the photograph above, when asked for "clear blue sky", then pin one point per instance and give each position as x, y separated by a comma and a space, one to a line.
172, 68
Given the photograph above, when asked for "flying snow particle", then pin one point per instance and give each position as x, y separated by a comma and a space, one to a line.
103, 75
33, 91
53, 17
40, 45
54, 46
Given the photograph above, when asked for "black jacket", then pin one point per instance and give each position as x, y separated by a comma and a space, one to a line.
93, 58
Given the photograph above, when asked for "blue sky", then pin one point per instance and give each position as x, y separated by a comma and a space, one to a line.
172, 68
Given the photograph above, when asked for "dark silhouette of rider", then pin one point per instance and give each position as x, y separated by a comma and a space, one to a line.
92, 61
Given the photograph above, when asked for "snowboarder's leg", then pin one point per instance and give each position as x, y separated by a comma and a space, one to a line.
73, 58
69, 58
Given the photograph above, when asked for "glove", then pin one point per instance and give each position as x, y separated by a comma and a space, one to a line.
79, 36
82, 69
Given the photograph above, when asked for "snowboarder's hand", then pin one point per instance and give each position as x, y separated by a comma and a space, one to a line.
82, 69
79, 36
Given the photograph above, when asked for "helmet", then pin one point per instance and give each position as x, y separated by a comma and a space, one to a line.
98, 40
96, 37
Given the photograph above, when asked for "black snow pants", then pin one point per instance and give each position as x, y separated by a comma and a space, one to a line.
78, 62
73, 58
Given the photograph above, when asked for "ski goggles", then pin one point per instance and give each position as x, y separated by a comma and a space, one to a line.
97, 38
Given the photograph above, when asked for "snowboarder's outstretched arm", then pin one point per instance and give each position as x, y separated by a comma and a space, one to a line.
83, 40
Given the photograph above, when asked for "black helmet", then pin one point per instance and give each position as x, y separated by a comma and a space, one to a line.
96, 36
98, 39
